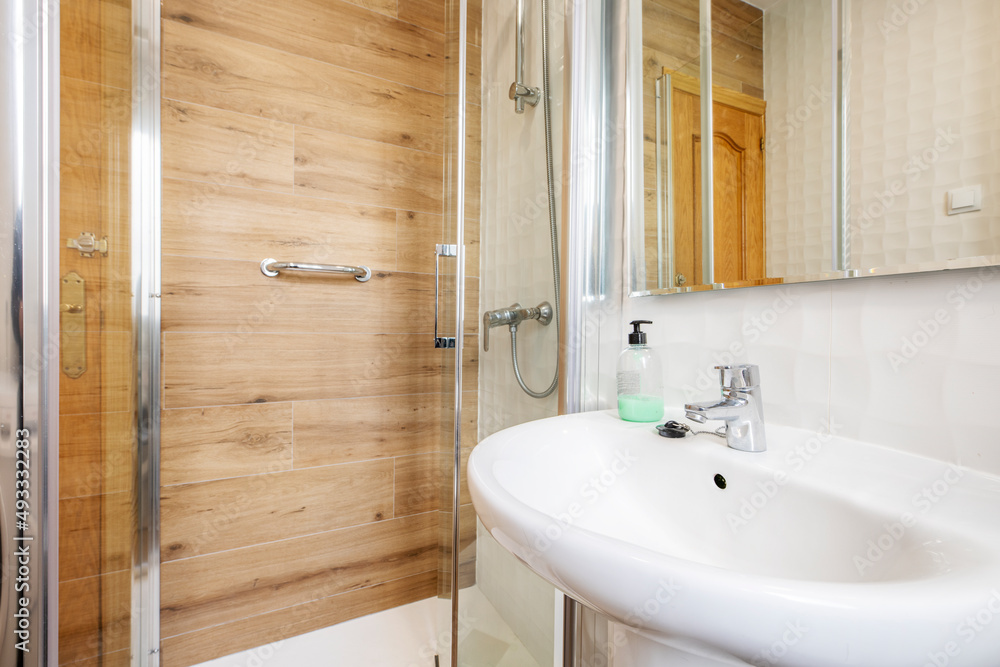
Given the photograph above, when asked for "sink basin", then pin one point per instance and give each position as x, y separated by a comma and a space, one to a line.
820, 551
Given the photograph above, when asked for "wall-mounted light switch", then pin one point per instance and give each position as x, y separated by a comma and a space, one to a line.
965, 200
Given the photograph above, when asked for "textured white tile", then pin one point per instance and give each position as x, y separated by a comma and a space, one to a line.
783, 329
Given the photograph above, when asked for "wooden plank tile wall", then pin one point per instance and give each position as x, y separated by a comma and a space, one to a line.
302, 420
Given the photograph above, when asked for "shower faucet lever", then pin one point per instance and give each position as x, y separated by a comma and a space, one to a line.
513, 316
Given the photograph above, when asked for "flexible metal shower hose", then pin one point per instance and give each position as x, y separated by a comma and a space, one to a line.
553, 229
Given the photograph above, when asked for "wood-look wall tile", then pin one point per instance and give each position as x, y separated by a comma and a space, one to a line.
95, 42
474, 75
213, 516
239, 223
430, 14
447, 303
473, 133
219, 640
472, 249
228, 586
739, 20
94, 616
217, 369
121, 658
417, 484
670, 33
417, 235
387, 7
89, 544
234, 296
205, 68
217, 147
366, 172
470, 363
466, 549
95, 454
95, 124
357, 429
473, 190
328, 31
475, 22
201, 444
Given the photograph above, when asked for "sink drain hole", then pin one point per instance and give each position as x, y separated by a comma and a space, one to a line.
720, 481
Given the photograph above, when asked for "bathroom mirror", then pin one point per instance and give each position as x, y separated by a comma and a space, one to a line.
881, 162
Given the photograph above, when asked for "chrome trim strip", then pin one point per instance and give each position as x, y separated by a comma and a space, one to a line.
29, 368
145, 210
707, 144
460, 129
839, 221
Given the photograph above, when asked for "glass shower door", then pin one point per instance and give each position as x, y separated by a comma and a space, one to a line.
97, 405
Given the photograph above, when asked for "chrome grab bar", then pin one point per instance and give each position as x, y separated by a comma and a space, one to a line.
271, 267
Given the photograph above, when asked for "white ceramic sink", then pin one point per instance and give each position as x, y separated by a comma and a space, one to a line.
820, 551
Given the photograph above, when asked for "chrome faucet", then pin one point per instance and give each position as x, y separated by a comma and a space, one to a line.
512, 317
741, 408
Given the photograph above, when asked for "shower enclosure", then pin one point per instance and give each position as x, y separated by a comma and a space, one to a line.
222, 459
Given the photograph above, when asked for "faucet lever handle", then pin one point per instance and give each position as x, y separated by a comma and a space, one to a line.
739, 376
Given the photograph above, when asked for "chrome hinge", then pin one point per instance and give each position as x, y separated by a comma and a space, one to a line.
88, 244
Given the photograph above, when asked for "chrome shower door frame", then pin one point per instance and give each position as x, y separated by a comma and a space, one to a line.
29, 380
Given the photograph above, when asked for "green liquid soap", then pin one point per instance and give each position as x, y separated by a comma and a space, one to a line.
640, 408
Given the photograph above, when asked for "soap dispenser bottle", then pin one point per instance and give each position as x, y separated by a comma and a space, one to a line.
640, 379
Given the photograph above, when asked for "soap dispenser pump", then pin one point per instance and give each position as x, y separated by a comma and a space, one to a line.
640, 379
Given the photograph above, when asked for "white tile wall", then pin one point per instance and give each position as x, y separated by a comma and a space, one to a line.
924, 92
905, 362
923, 89
798, 85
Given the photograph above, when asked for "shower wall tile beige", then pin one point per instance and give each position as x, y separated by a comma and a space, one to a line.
303, 416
